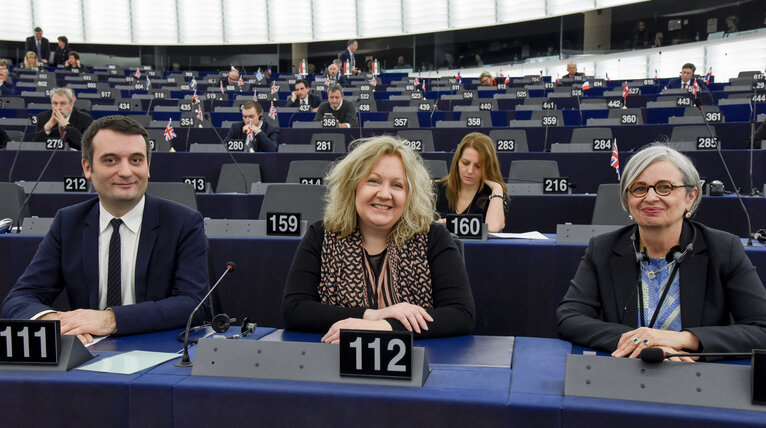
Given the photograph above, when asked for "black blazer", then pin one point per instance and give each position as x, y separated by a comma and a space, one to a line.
723, 301
265, 141
45, 47
314, 101
79, 121
60, 56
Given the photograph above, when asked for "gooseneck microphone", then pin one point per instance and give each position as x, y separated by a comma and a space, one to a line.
658, 355
40, 177
698, 103
236, 164
18, 149
185, 360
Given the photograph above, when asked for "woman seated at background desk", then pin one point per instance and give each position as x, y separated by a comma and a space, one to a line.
377, 262
474, 184
666, 282
30, 60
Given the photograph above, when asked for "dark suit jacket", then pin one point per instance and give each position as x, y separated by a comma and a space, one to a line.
79, 121
7, 88
723, 301
314, 101
265, 141
346, 56
345, 114
760, 134
340, 79
45, 47
60, 56
171, 267
703, 92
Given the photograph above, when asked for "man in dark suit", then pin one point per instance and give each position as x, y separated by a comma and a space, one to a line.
39, 45
686, 81
348, 56
63, 119
301, 96
257, 134
7, 88
343, 111
129, 262
335, 76
231, 80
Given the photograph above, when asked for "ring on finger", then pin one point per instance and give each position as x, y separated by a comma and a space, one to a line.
635, 341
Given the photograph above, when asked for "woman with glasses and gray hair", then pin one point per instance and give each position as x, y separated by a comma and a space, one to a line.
667, 281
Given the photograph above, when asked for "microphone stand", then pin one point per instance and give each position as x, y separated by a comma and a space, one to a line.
698, 103
753, 118
185, 360
45, 168
236, 164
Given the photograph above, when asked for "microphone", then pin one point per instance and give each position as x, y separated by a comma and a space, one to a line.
45, 168
433, 109
185, 360
753, 117
657, 355
236, 164
728, 173
18, 149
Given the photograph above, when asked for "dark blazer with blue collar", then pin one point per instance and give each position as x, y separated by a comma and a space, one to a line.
723, 301
171, 267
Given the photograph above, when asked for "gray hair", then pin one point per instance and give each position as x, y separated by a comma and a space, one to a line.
335, 88
67, 92
654, 153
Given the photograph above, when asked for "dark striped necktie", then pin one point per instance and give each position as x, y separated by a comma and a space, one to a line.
114, 276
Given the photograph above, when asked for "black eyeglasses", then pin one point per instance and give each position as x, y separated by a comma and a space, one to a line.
662, 188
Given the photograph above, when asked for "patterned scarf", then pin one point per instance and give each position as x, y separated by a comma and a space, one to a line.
406, 275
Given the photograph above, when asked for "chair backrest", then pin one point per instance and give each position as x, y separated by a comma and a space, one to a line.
404, 119
157, 140
683, 134
629, 116
230, 179
587, 135
13, 197
306, 199
608, 210
308, 171
421, 140
337, 140
509, 140
436, 167
479, 119
532, 171
183, 193
548, 117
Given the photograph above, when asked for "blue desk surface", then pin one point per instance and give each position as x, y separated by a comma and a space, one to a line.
461, 391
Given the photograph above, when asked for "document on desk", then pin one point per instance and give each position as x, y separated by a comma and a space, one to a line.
526, 235
129, 362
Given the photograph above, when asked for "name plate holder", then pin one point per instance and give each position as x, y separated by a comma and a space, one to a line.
581, 233
724, 386
28, 339
301, 361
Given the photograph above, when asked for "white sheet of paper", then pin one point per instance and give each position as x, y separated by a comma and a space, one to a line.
526, 235
96, 339
129, 362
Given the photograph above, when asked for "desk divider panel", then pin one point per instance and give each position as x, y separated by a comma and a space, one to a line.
669, 382
301, 361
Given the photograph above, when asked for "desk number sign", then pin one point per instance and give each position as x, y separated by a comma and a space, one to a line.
376, 354
29, 342
283, 224
465, 226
